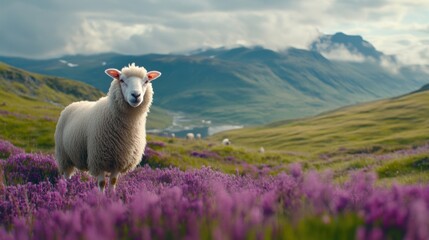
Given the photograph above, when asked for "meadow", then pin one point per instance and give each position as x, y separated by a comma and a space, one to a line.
359, 172
203, 190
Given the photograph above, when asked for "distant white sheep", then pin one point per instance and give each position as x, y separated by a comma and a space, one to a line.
173, 135
198, 135
109, 135
190, 136
261, 150
226, 142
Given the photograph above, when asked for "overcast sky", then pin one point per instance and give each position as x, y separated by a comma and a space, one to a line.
51, 28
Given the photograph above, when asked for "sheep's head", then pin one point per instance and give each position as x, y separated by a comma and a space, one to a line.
133, 81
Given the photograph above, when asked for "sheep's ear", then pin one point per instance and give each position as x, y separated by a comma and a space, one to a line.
152, 75
114, 73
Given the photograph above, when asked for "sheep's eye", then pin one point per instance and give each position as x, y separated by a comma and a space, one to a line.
146, 81
122, 80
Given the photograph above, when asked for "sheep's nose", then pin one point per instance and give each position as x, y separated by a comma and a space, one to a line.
136, 95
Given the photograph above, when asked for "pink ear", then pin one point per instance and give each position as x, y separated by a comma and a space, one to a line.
152, 75
114, 73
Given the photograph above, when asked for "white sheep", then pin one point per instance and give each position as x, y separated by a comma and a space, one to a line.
109, 135
190, 136
198, 135
226, 142
261, 150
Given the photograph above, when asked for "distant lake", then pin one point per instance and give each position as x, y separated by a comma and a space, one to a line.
183, 125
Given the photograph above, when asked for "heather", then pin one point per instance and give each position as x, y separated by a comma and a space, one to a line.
204, 203
7, 149
34, 168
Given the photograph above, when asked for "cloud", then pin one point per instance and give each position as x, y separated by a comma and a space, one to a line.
28, 30
414, 55
47, 28
390, 64
339, 52
82, 26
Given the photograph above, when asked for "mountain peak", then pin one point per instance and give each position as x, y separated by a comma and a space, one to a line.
339, 43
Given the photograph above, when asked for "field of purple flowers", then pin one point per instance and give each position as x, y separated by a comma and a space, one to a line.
169, 203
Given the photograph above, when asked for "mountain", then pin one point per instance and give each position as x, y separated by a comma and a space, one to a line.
384, 124
422, 89
353, 43
31, 103
246, 85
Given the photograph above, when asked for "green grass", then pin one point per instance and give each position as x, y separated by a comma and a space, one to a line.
231, 159
344, 226
390, 167
26, 122
404, 167
391, 123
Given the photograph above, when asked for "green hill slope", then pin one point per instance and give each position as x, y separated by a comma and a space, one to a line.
391, 123
31, 103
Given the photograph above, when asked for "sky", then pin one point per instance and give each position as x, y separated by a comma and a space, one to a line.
52, 28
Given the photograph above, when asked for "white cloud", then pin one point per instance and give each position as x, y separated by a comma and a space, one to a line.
392, 66
415, 54
47, 28
340, 53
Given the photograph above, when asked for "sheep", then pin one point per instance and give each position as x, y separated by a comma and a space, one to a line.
261, 150
190, 136
198, 135
173, 135
226, 142
108, 135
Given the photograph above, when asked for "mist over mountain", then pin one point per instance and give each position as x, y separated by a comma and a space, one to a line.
354, 44
252, 85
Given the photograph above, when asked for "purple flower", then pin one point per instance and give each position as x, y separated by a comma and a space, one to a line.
231, 159
150, 153
156, 145
34, 168
295, 170
8, 149
152, 158
203, 203
205, 154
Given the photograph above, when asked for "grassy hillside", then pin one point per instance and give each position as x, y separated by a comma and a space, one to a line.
31, 103
389, 136
389, 123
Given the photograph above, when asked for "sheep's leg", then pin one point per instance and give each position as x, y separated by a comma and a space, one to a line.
113, 180
101, 182
66, 167
67, 173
